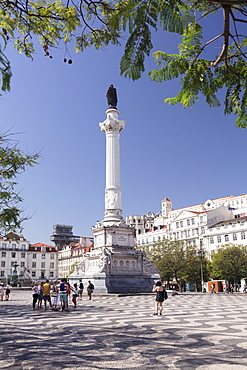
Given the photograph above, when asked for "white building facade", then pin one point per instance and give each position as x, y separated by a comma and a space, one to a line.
207, 225
70, 255
37, 261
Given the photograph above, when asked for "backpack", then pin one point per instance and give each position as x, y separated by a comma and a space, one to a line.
91, 286
165, 294
81, 286
62, 287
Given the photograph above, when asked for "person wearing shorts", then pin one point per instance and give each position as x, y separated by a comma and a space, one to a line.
47, 293
63, 294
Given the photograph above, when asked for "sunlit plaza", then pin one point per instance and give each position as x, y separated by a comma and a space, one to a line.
196, 331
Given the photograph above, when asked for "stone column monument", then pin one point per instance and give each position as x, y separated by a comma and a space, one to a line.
115, 266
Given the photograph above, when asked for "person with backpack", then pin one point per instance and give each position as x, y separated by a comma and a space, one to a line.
90, 289
80, 290
63, 294
161, 295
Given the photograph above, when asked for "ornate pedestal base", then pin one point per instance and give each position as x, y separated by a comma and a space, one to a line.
114, 266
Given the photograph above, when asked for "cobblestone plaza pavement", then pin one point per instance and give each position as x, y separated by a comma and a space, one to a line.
196, 331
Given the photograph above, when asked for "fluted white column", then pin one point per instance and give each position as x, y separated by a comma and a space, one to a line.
113, 193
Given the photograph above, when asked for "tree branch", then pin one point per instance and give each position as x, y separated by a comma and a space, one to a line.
223, 54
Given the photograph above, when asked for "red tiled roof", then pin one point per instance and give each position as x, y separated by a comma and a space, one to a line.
42, 245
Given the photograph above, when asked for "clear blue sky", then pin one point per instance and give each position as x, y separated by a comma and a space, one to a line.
188, 155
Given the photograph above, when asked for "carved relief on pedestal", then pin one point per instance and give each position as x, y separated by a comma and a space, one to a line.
112, 199
149, 267
79, 268
104, 262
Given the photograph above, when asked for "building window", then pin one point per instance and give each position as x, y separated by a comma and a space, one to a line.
188, 222
2, 263
43, 256
12, 263
22, 264
13, 254
226, 238
177, 224
211, 240
188, 233
4, 246
234, 236
43, 265
242, 235
33, 273
33, 264
3, 254
201, 219
23, 247
2, 273
34, 255
23, 255
14, 247
181, 224
193, 221
52, 265
203, 230
51, 274
219, 239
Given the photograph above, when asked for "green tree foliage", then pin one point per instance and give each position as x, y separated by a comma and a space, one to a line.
204, 66
175, 259
230, 263
12, 162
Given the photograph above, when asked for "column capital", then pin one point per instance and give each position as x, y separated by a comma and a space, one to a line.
112, 123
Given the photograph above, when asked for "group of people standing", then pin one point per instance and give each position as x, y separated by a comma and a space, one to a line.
57, 294
4, 292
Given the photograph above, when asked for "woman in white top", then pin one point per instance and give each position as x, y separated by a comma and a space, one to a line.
35, 290
1, 291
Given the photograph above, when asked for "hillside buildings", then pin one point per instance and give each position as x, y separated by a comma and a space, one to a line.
207, 225
72, 254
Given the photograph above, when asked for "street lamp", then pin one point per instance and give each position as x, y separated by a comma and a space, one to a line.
201, 255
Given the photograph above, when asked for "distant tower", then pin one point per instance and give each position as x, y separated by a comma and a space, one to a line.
63, 235
166, 206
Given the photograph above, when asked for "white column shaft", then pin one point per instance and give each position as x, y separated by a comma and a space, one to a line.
113, 160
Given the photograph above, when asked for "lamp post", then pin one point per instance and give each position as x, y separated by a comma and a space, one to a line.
201, 255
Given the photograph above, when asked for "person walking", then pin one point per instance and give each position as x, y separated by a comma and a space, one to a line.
90, 289
161, 295
81, 287
213, 288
